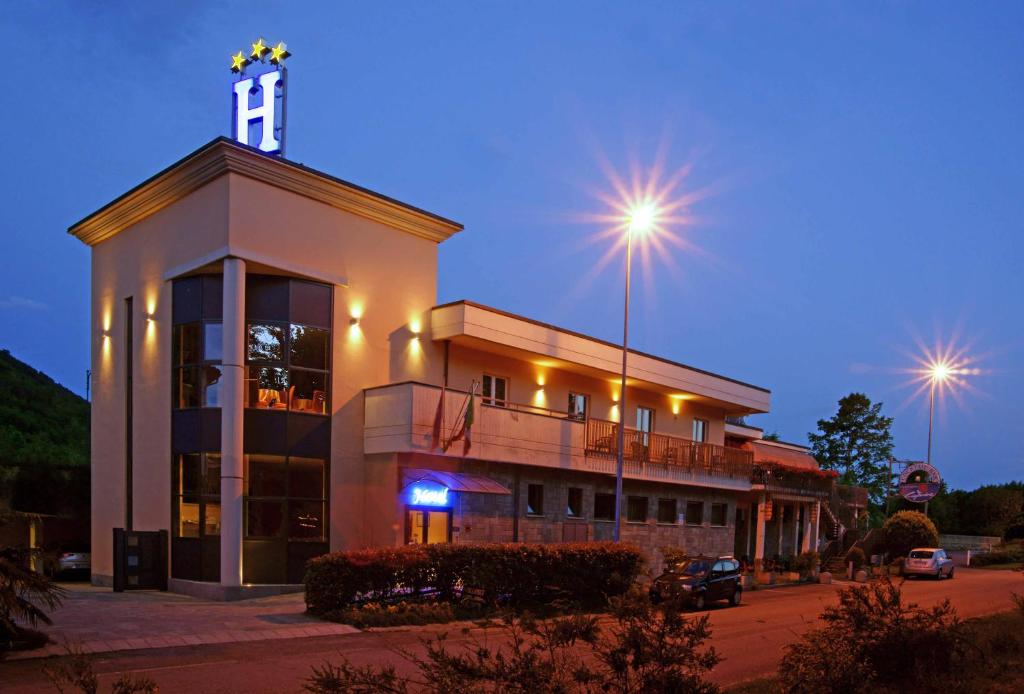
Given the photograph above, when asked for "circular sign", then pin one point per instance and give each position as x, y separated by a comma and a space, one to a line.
925, 484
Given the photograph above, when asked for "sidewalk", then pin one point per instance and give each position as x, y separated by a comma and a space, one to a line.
97, 620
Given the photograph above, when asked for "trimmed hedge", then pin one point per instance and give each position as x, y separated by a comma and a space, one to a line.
519, 575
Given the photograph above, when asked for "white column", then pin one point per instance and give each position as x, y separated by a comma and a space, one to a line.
806, 545
751, 510
817, 524
231, 413
796, 528
780, 516
759, 535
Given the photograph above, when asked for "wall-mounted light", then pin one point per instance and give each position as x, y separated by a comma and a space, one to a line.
353, 321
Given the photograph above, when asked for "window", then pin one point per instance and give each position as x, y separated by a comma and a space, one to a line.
535, 499
694, 512
196, 354
285, 497
667, 511
700, 430
604, 506
288, 367
718, 514
495, 390
636, 509
578, 406
195, 498
574, 505
644, 423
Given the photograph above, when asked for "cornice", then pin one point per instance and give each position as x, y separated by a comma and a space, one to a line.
223, 156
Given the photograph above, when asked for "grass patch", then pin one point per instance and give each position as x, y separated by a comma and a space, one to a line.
997, 642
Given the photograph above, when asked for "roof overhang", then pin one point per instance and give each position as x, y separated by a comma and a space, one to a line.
223, 156
454, 481
548, 346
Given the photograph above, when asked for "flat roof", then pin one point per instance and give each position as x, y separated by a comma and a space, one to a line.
149, 186
598, 340
473, 324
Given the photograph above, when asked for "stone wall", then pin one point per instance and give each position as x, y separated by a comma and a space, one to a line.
489, 517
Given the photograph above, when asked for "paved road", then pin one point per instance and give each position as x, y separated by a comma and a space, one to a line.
751, 639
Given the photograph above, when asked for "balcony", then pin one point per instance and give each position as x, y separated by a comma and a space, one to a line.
400, 418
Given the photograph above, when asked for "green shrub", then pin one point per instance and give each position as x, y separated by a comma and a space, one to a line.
672, 554
638, 648
518, 575
906, 530
375, 614
856, 555
805, 562
1005, 555
873, 639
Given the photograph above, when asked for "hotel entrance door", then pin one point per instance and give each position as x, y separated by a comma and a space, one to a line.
427, 526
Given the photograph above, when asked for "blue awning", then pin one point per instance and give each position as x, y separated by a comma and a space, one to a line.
455, 481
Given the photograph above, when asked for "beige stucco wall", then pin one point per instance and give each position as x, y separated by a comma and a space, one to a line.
391, 283
132, 263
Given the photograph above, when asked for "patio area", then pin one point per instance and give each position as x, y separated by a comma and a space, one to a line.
98, 620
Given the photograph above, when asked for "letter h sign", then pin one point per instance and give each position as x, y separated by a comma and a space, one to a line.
270, 136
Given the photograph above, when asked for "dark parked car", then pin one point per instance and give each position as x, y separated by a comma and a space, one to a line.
696, 581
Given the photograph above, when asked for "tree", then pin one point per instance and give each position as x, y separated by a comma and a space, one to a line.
856, 443
906, 530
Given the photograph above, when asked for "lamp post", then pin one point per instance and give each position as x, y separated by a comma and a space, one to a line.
640, 220
937, 373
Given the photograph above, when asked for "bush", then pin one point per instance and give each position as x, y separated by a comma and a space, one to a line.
906, 530
873, 639
856, 555
672, 554
643, 649
805, 562
518, 575
375, 614
1005, 555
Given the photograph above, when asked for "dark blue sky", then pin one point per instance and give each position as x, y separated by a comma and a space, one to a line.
864, 164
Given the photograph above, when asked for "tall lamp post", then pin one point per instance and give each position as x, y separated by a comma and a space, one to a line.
938, 372
640, 220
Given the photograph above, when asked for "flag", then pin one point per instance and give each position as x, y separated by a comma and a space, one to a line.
467, 425
435, 435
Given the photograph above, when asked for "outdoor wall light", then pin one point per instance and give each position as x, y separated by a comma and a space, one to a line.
353, 321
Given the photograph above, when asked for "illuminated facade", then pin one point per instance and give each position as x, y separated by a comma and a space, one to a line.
274, 379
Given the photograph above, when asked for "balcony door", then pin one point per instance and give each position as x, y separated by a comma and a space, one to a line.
645, 424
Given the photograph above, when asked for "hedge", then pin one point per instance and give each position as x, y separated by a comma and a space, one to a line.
519, 575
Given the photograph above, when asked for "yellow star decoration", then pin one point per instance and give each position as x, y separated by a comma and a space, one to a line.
278, 53
259, 49
238, 62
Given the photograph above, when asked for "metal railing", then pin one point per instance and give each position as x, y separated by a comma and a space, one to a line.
660, 449
852, 496
778, 478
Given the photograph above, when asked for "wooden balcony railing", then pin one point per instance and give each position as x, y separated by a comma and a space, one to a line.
852, 496
783, 479
661, 449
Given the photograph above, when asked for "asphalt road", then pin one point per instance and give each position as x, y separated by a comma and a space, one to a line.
750, 638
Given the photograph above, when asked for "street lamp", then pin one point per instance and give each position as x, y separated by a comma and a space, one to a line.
938, 372
640, 221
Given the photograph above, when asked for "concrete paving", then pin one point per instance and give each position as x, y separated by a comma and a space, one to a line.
97, 620
751, 638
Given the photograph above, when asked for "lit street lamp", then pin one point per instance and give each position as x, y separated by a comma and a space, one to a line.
937, 374
641, 219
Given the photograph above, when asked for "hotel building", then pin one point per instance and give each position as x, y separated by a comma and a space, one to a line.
273, 379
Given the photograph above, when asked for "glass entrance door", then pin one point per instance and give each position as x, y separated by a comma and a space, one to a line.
427, 526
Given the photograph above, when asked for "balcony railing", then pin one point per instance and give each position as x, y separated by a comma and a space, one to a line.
661, 449
852, 496
778, 478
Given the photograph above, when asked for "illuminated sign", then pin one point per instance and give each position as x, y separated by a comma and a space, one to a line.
920, 482
422, 496
258, 102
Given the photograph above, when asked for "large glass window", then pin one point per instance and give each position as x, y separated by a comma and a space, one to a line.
196, 494
495, 389
578, 406
636, 509
667, 511
700, 430
197, 353
719, 513
285, 497
694, 512
288, 367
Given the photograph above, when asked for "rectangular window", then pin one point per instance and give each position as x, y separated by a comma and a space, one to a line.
636, 509
578, 406
535, 499
186, 344
695, 513
266, 387
213, 341
308, 391
195, 485
667, 510
718, 514
211, 385
700, 430
645, 423
266, 343
495, 390
574, 505
604, 506
308, 347
265, 475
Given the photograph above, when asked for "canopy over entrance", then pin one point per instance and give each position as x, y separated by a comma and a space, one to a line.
454, 481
